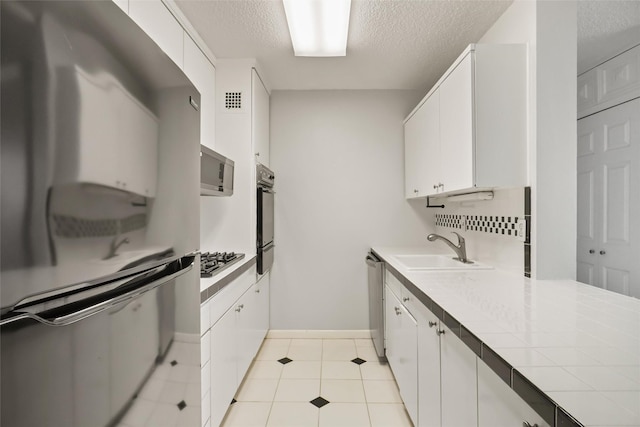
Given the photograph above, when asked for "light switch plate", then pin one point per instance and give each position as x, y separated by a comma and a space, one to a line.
521, 229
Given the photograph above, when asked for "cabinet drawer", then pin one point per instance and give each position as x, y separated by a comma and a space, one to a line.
393, 283
223, 300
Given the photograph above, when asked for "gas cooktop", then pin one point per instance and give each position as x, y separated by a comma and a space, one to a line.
213, 262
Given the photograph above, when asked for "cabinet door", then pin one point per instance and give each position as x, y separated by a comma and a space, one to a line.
458, 382
224, 379
428, 366
260, 119
263, 291
202, 74
413, 145
403, 355
156, 20
248, 314
391, 327
499, 405
422, 149
408, 363
456, 127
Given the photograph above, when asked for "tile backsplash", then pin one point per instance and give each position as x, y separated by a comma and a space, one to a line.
496, 231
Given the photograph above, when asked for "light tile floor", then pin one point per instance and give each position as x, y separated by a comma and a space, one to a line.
290, 375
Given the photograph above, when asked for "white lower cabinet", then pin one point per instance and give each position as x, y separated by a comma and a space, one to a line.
428, 366
443, 383
253, 320
499, 405
402, 351
224, 376
458, 381
235, 340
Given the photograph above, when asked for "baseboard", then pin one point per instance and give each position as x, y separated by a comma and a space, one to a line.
184, 337
318, 334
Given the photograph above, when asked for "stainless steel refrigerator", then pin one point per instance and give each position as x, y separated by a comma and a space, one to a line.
99, 215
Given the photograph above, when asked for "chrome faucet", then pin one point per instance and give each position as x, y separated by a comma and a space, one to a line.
114, 245
460, 249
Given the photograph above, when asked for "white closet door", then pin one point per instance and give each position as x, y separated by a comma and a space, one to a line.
609, 199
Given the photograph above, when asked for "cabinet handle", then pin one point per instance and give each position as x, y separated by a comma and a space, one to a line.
239, 308
591, 251
440, 331
257, 291
398, 311
415, 191
602, 252
435, 187
258, 154
405, 299
432, 324
526, 424
441, 185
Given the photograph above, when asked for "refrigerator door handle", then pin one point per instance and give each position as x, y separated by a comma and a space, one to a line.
132, 290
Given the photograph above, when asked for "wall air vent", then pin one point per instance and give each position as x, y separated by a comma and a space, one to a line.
233, 100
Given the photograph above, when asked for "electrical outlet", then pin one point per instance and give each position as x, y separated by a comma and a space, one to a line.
521, 229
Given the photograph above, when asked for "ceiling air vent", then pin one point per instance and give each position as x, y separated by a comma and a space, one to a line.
233, 100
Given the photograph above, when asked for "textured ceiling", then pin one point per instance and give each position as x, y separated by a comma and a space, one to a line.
605, 28
393, 44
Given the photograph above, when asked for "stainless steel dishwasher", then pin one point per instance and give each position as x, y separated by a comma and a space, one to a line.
376, 303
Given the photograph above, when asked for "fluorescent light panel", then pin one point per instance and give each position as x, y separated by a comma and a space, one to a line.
318, 27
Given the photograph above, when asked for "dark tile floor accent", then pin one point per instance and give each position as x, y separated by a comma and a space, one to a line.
319, 402
182, 405
285, 360
358, 361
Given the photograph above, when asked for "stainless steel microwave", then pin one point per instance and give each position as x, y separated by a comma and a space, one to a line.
216, 173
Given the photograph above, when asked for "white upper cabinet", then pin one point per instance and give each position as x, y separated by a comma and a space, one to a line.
456, 128
156, 20
203, 75
422, 149
481, 123
260, 119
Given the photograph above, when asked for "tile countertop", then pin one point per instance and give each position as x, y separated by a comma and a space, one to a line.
580, 345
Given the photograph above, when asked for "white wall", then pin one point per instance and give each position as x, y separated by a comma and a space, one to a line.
549, 29
338, 157
228, 223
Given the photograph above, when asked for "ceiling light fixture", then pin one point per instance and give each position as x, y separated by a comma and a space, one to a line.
318, 27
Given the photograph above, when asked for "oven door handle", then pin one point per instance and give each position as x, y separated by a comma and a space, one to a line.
133, 289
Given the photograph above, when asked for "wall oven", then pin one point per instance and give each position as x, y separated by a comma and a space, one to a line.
265, 198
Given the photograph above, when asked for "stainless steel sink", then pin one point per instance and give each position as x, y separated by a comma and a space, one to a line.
436, 262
